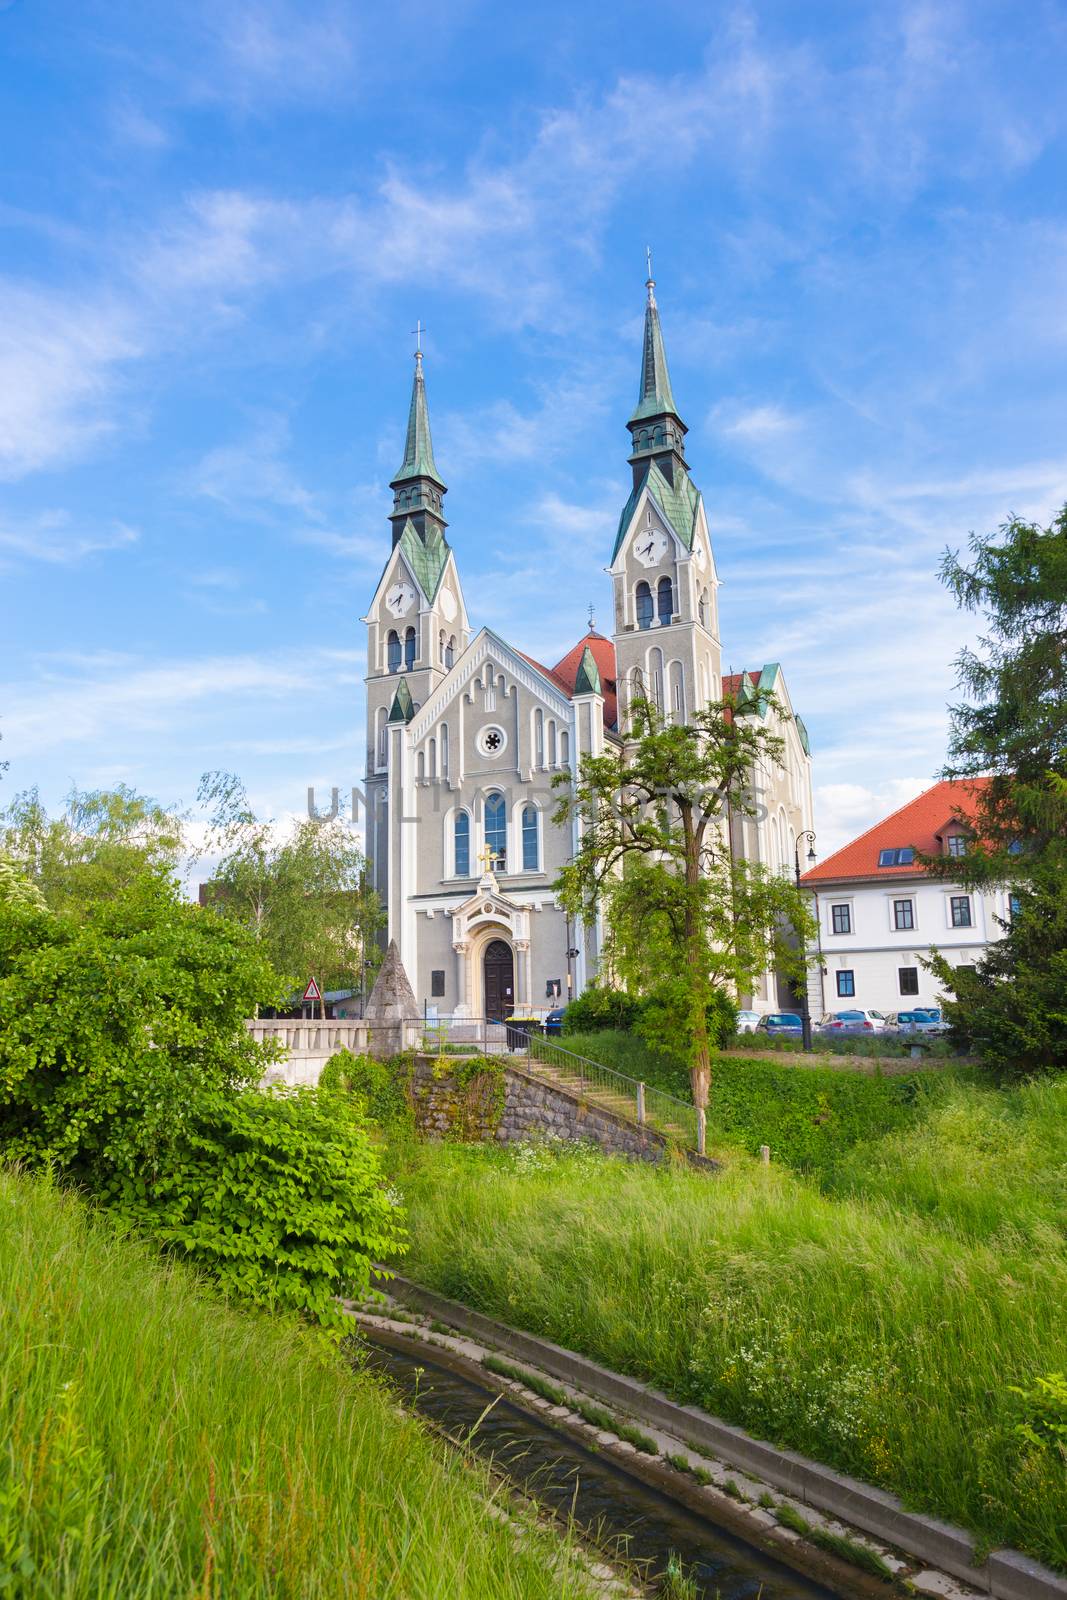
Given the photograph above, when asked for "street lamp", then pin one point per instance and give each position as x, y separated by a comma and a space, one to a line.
805, 1012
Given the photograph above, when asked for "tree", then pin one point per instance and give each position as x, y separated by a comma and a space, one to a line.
305, 898
114, 1021
1011, 733
686, 918
101, 843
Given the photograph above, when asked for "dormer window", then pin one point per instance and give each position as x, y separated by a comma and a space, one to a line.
896, 858
956, 844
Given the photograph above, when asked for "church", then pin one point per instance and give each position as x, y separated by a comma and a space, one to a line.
465, 733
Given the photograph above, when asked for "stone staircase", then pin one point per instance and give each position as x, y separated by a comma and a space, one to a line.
601, 1086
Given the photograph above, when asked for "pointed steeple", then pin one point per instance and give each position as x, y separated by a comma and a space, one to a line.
657, 431
587, 680
418, 487
655, 398
418, 459
402, 708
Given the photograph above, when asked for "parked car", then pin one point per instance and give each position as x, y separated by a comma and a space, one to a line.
747, 1021
918, 1022
855, 1022
777, 1024
554, 1020
933, 1012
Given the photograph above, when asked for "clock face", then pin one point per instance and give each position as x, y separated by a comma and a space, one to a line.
448, 605
400, 598
650, 546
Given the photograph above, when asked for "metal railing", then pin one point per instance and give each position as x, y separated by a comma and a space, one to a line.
651, 1107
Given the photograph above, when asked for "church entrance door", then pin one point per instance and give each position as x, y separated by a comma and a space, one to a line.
499, 981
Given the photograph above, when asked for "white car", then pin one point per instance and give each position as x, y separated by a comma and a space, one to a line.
747, 1021
854, 1021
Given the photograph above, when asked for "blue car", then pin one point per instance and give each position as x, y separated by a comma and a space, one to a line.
554, 1021
777, 1024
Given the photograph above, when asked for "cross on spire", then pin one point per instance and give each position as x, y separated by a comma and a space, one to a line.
648, 258
592, 623
418, 330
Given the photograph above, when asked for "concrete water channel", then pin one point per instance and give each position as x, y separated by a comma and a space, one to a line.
633, 1522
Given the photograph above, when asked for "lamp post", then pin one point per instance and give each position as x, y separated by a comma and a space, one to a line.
805, 1011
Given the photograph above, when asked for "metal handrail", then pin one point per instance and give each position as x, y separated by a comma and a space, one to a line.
650, 1105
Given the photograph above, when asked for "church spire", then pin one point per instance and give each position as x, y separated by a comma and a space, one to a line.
657, 430
418, 486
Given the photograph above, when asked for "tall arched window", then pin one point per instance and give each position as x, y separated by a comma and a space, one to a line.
441, 646
551, 741
409, 649
420, 766
461, 837
656, 674
564, 747
702, 608
392, 645
644, 605
677, 692
383, 737
530, 853
444, 750
665, 600
450, 652
539, 738
496, 830
433, 758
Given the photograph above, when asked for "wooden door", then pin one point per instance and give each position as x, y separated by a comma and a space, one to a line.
499, 981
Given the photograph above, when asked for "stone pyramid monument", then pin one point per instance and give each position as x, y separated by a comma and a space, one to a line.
392, 1003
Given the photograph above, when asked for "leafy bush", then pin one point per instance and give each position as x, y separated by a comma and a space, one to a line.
600, 1007
1045, 1404
277, 1195
379, 1087
113, 1024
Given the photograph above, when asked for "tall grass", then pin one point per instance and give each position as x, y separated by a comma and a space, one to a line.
879, 1330
155, 1443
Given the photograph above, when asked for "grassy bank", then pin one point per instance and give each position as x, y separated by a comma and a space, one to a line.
156, 1444
880, 1329
809, 1116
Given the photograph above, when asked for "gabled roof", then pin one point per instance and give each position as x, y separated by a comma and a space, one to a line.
919, 825
427, 561
677, 505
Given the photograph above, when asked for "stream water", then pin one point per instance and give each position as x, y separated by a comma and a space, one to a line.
625, 1517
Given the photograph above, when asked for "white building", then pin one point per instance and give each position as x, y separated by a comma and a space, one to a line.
880, 914
467, 735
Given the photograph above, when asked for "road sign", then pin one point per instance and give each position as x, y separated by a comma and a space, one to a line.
312, 991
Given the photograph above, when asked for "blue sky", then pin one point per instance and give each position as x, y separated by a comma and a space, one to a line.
219, 222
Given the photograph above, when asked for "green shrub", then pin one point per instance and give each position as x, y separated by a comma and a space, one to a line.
277, 1195
600, 1007
381, 1088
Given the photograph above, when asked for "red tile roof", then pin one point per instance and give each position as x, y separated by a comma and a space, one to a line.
919, 824
565, 673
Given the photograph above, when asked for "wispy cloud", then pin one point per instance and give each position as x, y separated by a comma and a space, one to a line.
59, 539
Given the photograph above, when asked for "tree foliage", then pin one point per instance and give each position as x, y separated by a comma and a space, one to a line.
102, 842
685, 917
1011, 731
114, 1022
305, 898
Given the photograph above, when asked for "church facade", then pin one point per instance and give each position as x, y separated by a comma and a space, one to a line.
465, 733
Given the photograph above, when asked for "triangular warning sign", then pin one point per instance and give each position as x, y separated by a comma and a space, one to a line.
312, 991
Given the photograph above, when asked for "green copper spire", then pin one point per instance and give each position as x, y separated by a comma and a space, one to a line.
655, 398
418, 459
402, 709
587, 680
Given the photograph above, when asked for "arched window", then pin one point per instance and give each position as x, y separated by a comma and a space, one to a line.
496, 830
450, 652
564, 748
644, 605
433, 758
551, 742
530, 853
393, 650
539, 738
441, 645
702, 608
409, 649
444, 749
462, 845
383, 738
665, 600
420, 766
677, 692
656, 674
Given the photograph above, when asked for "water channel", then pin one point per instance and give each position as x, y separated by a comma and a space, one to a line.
626, 1518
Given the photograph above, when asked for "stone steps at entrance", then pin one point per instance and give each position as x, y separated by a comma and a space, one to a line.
611, 1099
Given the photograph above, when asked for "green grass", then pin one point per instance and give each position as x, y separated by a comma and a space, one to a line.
809, 1116
879, 1327
530, 1380
154, 1443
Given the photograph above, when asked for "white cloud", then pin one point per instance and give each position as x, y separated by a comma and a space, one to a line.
55, 537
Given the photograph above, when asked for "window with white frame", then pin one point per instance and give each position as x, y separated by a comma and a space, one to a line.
903, 915
956, 844
960, 910
841, 918
461, 845
531, 852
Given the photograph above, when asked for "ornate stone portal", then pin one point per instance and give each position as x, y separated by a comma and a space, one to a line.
488, 915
